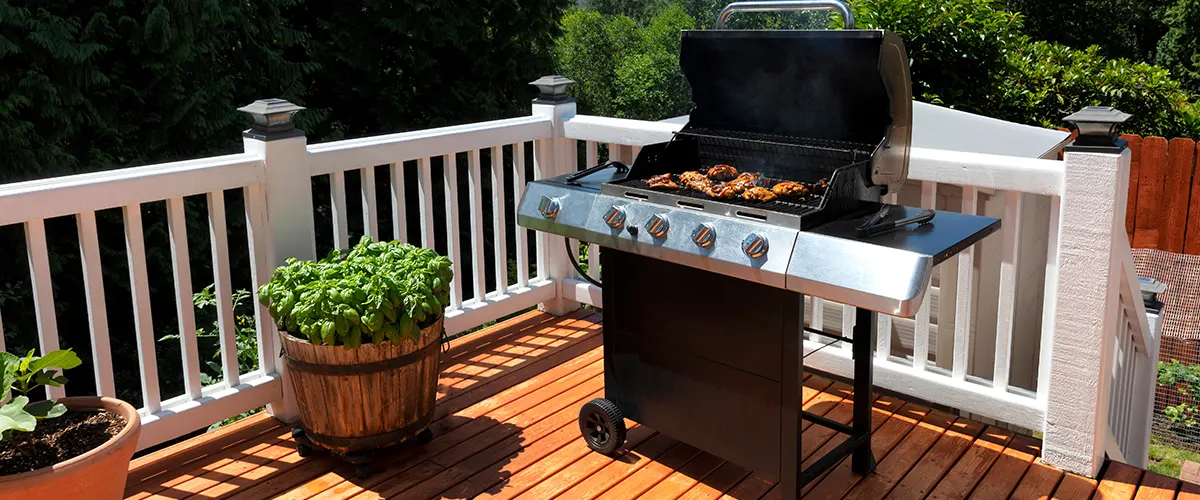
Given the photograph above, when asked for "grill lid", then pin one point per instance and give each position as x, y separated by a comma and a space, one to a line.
839, 85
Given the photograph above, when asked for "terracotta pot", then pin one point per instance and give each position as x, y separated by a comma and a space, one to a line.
98, 474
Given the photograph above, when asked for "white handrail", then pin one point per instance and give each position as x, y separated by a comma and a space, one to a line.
58, 196
329, 157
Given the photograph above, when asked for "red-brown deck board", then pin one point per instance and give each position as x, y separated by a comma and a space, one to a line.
505, 428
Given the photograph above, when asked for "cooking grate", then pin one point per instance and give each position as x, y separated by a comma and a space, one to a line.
803, 206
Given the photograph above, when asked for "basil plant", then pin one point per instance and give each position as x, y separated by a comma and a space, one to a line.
373, 292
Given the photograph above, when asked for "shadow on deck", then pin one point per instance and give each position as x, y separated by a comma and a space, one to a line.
505, 427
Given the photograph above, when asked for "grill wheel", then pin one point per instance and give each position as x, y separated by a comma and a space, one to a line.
602, 425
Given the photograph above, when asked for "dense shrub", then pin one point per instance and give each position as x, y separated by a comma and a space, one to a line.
972, 55
624, 69
1047, 81
958, 48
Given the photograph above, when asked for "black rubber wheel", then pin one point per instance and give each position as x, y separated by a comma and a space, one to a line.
303, 450
362, 471
425, 436
602, 425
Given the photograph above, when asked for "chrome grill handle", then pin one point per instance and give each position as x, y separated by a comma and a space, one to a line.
788, 5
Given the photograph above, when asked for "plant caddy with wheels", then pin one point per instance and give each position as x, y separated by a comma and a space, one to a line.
361, 331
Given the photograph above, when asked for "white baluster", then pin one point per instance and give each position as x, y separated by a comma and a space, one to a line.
43, 293
370, 208
337, 203
399, 217
93, 284
1049, 301
963, 293
848, 321
590, 154
1005, 314
614, 152
450, 179
921, 329
257, 235
541, 156
520, 233
475, 193
143, 325
223, 288
883, 340
499, 210
185, 311
425, 190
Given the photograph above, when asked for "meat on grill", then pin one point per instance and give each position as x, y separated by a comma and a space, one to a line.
745, 181
758, 194
695, 181
662, 182
723, 191
789, 189
722, 172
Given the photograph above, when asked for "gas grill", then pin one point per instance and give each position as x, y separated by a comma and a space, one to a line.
703, 297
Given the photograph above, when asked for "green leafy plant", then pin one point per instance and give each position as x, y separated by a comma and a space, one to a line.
374, 292
24, 375
209, 337
1184, 379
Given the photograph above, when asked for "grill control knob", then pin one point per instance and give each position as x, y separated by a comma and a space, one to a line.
704, 235
657, 225
549, 206
755, 245
615, 217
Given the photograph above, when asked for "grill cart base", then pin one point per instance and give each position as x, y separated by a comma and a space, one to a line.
716, 362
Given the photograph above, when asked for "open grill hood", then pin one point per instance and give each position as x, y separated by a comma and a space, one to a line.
845, 86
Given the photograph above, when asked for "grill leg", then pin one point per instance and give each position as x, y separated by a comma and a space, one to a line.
863, 460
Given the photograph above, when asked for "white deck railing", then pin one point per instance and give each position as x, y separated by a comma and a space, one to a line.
999, 337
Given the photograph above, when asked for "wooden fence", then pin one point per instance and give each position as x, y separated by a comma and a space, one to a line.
1164, 194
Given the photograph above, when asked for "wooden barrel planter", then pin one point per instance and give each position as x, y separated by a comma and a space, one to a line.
354, 400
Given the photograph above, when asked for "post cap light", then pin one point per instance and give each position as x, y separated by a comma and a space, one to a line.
552, 89
272, 119
1097, 127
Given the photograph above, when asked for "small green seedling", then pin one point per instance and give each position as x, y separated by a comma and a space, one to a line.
25, 375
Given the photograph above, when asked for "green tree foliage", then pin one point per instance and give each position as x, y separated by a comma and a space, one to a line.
90, 85
95, 85
972, 55
389, 66
1179, 48
1120, 28
1047, 81
624, 69
958, 48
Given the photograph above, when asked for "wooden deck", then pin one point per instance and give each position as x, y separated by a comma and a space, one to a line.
506, 428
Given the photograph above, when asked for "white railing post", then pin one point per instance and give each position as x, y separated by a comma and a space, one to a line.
1087, 305
288, 217
555, 156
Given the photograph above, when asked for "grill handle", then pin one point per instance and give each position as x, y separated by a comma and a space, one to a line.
574, 178
787, 5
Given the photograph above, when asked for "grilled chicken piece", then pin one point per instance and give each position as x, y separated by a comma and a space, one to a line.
789, 188
820, 186
758, 194
722, 172
695, 180
662, 182
745, 181
723, 191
